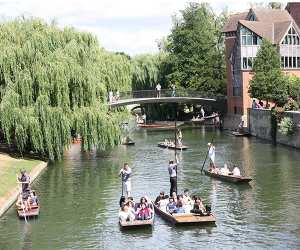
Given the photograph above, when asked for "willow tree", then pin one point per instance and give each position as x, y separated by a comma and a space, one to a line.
53, 83
145, 71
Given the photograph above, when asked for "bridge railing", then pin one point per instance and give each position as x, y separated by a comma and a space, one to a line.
163, 93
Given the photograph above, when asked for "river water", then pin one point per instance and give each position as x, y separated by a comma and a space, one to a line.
79, 197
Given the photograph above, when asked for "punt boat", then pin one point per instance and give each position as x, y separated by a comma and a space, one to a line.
138, 223
186, 218
228, 178
163, 145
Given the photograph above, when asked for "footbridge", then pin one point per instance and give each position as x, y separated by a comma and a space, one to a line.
165, 96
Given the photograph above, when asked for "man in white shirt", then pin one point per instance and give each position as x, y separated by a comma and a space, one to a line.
125, 173
211, 155
173, 176
158, 89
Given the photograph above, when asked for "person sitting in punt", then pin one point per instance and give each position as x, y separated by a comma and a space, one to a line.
122, 200
171, 206
34, 198
198, 208
131, 207
162, 204
179, 208
225, 170
144, 212
174, 195
125, 214
187, 201
236, 171
160, 197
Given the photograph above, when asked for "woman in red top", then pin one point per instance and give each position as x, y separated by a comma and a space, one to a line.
144, 212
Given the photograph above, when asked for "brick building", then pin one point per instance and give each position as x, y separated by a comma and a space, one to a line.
243, 36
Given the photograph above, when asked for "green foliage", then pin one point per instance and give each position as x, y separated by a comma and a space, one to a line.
286, 126
196, 50
55, 81
294, 88
268, 82
145, 71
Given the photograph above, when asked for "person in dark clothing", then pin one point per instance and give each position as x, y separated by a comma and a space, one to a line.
25, 180
173, 177
160, 197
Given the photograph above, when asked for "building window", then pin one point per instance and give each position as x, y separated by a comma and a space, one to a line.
291, 38
249, 38
290, 62
230, 34
248, 62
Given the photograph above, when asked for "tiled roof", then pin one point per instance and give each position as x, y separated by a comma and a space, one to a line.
271, 24
271, 15
231, 24
262, 29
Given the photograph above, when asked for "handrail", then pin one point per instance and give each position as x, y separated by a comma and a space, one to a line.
163, 93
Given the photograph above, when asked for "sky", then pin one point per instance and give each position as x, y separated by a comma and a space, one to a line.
130, 26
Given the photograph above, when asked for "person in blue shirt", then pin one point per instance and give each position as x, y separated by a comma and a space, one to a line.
171, 206
179, 208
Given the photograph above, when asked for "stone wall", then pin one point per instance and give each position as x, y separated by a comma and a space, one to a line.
259, 124
231, 121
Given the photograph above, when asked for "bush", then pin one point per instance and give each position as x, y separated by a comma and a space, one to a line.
286, 126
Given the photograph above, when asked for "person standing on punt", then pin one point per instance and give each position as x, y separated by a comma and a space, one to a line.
211, 155
25, 180
173, 177
125, 172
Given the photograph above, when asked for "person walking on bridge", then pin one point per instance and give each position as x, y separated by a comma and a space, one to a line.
125, 173
173, 177
173, 87
158, 90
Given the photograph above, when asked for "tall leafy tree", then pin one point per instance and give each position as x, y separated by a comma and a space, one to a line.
196, 51
53, 83
268, 82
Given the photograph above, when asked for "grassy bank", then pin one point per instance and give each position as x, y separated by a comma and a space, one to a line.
9, 168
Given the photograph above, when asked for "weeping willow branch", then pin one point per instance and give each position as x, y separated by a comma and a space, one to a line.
55, 81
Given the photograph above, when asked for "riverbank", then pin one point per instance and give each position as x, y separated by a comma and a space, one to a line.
9, 168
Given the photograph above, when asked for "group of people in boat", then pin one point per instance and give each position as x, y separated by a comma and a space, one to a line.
171, 143
130, 210
27, 197
140, 119
183, 203
224, 170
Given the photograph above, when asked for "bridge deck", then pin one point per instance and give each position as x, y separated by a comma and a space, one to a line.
161, 100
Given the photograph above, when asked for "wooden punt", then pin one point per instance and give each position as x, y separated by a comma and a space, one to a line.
33, 212
229, 178
138, 223
130, 143
163, 145
241, 134
186, 218
202, 119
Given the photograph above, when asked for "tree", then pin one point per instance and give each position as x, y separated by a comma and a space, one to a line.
268, 82
53, 84
196, 50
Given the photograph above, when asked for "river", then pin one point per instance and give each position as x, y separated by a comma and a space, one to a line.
79, 197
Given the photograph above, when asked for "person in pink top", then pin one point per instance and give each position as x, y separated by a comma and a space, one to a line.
144, 212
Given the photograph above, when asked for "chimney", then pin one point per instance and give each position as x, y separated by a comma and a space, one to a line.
294, 9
